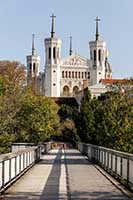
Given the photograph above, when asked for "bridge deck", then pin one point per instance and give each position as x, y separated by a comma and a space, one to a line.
63, 175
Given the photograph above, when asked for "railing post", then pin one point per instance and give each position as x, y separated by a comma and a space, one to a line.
111, 161
102, 157
15, 170
10, 169
115, 164
19, 163
3, 173
121, 167
29, 157
107, 160
127, 170
26, 159
23, 161
96, 159
99, 155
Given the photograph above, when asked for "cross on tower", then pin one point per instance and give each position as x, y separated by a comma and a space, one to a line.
70, 51
52, 27
33, 44
97, 33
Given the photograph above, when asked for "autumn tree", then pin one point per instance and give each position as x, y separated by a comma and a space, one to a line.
12, 79
13, 72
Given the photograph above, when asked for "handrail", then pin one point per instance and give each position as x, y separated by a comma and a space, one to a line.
14, 154
118, 164
13, 165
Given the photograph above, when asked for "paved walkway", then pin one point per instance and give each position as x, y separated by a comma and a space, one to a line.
63, 176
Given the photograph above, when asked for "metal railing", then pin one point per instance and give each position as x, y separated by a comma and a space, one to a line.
13, 165
118, 164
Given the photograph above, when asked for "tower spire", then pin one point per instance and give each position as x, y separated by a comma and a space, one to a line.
70, 51
33, 44
52, 27
97, 31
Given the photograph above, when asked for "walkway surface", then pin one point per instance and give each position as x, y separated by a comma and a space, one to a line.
63, 175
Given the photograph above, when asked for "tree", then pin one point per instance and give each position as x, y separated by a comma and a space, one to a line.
124, 139
12, 77
105, 119
13, 72
37, 119
69, 132
69, 119
113, 121
65, 112
87, 118
24, 117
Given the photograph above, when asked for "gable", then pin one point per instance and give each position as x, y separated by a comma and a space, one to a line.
75, 60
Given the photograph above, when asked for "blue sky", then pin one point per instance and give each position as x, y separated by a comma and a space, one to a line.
20, 18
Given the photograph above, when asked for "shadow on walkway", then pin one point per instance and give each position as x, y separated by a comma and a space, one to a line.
77, 186
51, 189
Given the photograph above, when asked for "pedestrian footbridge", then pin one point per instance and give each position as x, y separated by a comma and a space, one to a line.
65, 173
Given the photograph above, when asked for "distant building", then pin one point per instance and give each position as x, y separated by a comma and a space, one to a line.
65, 77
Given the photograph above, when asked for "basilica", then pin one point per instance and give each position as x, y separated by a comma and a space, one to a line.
65, 77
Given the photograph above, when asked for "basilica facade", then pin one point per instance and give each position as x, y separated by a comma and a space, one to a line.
67, 76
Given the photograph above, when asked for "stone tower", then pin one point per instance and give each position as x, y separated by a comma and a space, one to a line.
52, 63
33, 63
98, 57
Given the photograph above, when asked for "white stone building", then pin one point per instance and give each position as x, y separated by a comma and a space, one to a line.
66, 76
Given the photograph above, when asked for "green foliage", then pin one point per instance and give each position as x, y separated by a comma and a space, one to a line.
69, 119
37, 119
65, 112
2, 89
24, 117
69, 132
108, 121
87, 118
5, 142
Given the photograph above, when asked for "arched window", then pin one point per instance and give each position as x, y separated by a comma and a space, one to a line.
99, 54
95, 55
75, 74
91, 55
79, 74
62, 74
30, 67
72, 74
88, 75
85, 74
66, 74
66, 91
82, 74
58, 53
75, 90
54, 52
69, 74
49, 53
34, 67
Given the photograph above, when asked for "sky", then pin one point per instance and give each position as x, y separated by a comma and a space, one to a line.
19, 19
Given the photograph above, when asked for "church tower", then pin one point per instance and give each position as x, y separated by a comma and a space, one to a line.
97, 56
52, 63
33, 63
